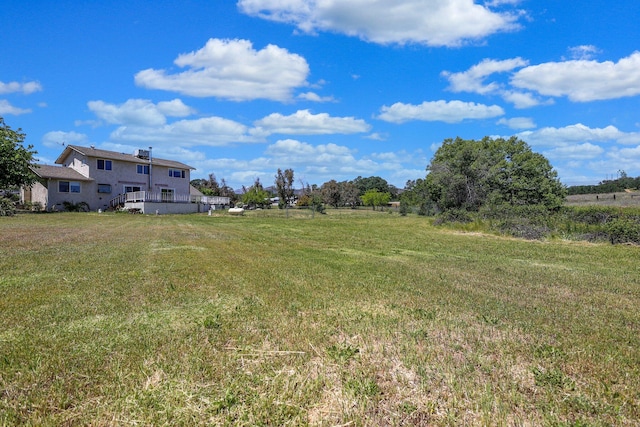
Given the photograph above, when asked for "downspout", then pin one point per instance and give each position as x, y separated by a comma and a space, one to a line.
150, 188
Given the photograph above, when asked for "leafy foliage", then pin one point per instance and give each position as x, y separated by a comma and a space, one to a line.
624, 230
375, 198
15, 159
7, 207
76, 207
467, 174
256, 196
340, 194
211, 187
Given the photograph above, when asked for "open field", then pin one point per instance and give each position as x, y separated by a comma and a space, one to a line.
606, 199
352, 318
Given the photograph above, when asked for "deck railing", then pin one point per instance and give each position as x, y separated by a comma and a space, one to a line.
160, 197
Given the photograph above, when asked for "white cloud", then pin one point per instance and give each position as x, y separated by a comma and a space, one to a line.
208, 131
7, 108
472, 80
57, 139
522, 100
141, 112
577, 134
376, 136
586, 151
583, 52
324, 161
175, 108
434, 23
234, 70
303, 122
444, 111
518, 123
583, 80
25, 88
314, 97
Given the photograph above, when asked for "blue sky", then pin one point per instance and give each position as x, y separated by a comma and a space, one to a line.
332, 89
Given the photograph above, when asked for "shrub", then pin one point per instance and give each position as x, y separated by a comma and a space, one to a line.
623, 231
592, 215
523, 228
404, 208
7, 207
76, 207
454, 216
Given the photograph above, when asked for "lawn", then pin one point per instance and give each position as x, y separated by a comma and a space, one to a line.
352, 318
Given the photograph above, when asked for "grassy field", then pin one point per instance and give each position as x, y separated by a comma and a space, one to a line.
345, 319
620, 199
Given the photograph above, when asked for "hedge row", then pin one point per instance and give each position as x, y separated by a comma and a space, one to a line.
613, 224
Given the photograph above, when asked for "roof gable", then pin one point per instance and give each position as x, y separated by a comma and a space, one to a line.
58, 172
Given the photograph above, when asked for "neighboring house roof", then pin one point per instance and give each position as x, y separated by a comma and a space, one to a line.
194, 191
58, 172
112, 155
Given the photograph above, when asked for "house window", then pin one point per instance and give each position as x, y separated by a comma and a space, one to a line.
104, 188
68, 187
167, 194
177, 173
144, 169
131, 188
104, 164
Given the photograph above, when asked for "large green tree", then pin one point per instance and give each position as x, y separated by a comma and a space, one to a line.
373, 182
468, 174
16, 160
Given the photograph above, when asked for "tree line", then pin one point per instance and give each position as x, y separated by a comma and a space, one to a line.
622, 183
371, 191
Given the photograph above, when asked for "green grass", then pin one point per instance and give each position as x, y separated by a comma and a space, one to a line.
351, 318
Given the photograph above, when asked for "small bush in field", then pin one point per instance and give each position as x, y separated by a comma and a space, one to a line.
592, 215
7, 207
623, 231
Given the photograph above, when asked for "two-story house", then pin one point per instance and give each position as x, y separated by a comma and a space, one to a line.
103, 179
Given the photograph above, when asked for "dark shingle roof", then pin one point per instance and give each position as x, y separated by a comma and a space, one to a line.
113, 155
58, 172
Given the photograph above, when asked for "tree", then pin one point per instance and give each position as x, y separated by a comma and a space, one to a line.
370, 183
349, 194
416, 194
256, 196
467, 174
284, 187
375, 198
211, 187
16, 160
330, 192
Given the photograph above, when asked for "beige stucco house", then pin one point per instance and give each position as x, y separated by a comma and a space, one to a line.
106, 179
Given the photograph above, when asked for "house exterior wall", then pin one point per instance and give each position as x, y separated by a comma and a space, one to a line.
56, 198
123, 176
37, 193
